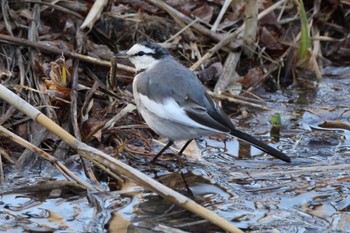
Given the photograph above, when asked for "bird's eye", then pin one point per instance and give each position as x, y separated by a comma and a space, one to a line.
141, 53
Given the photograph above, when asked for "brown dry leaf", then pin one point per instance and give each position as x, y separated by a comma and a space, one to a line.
39, 66
268, 39
211, 73
186, 7
252, 77
204, 12
22, 130
238, 12
93, 128
270, 18
99, 51
94, 121
57, 98
142, 5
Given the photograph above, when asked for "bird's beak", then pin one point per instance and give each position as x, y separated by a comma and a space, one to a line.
122, 55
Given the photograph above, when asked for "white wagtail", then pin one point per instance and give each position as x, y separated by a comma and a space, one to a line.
175, 104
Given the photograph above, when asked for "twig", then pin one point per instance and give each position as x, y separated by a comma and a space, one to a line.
2, 177
123, 112
221, 14
74, 100
6, 155
74, 107
49, 49
231, 99
181, 31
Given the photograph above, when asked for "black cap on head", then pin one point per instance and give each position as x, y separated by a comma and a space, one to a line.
159, 51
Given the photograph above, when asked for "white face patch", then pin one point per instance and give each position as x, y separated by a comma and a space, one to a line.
137, 48
141, 62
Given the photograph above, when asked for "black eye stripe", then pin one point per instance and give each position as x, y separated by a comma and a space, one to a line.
141, 53
158, 52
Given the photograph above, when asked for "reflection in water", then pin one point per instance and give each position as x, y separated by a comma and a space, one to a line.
20, 212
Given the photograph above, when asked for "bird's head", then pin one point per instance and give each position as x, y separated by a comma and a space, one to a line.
144, 55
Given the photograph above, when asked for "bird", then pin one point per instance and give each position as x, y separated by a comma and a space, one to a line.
175, 104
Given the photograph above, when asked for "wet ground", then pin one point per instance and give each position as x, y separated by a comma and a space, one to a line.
257, 194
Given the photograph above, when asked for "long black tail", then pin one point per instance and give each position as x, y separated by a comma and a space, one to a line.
260, 145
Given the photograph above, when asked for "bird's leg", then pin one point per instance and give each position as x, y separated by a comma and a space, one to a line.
180, 160
170, 142
184, 147
185, 183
